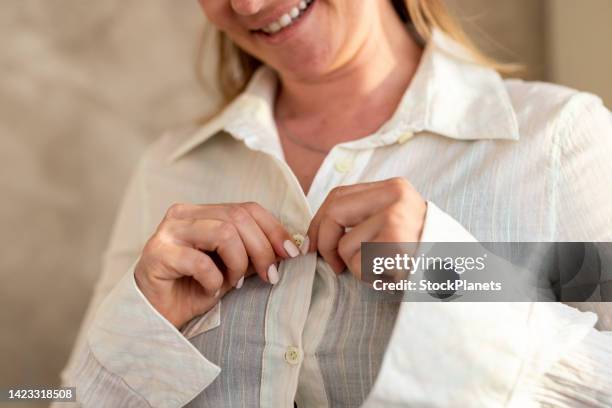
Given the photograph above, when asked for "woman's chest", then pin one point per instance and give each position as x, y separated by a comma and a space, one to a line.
496, 193
336, 351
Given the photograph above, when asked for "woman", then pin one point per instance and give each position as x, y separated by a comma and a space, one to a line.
361, 121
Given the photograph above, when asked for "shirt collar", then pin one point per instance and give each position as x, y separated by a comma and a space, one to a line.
450, 95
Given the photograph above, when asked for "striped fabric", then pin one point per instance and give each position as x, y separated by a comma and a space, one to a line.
239, 338
504, 160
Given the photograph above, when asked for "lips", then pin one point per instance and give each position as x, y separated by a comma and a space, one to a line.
287, 19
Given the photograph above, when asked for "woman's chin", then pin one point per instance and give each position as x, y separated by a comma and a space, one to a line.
301, 50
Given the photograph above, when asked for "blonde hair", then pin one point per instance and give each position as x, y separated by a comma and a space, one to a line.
235, 67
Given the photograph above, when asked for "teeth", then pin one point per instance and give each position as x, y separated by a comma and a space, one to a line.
274, 27
285, 20
288, 18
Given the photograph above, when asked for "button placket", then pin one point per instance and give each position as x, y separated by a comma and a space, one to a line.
289, 301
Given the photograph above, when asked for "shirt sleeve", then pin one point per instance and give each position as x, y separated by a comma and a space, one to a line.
583, 185
484, 354
124, 247
129, 339
96, 387
582, 377
441, 227
126, 353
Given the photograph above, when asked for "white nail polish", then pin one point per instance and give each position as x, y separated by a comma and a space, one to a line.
273, 274
305, 246
291, 249
240, 283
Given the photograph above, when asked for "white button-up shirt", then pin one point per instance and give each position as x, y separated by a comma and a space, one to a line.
497, 160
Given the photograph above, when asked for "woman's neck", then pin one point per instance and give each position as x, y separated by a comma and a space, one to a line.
367, 87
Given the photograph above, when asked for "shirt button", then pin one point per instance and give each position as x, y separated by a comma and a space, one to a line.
344, 165
292, 355
404, 137
298, 239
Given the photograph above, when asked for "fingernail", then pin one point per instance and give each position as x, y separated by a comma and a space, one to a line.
240, 283
217, 293
291, 249
273, 274
305, 246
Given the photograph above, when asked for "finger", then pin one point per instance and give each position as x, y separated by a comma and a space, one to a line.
257, 244
202, 304
349, 209
261, 247
335, 193
349, 246
277, 235
330, 233
191, 262
250, 272
215, 236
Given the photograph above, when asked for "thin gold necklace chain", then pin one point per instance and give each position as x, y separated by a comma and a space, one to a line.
300, 143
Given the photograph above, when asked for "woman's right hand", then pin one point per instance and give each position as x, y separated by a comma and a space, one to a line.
200, 252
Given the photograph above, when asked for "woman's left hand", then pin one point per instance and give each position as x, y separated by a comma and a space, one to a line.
383, 211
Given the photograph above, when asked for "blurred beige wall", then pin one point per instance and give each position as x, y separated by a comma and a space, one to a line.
579, 45
508, 30
86, 85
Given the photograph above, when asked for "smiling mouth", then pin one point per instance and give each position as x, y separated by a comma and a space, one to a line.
287, 19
